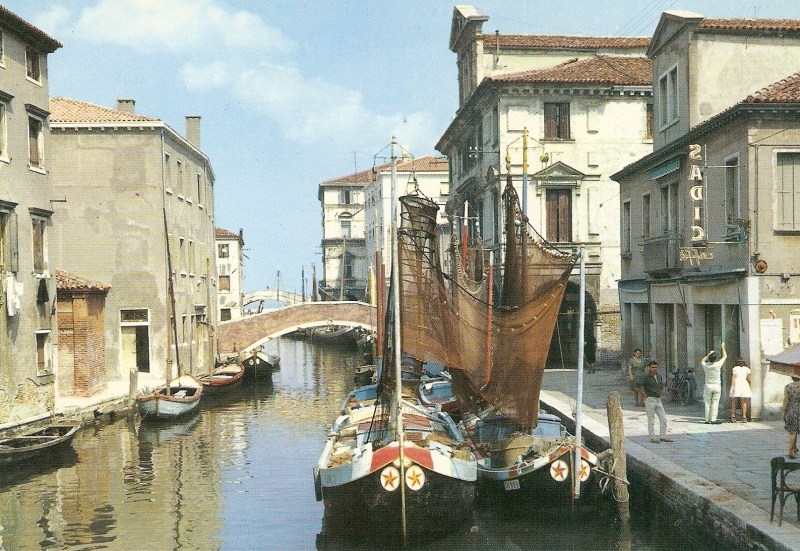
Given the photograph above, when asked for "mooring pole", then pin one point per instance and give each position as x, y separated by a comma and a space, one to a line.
616, 430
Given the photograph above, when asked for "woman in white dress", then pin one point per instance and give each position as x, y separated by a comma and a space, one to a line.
740, 388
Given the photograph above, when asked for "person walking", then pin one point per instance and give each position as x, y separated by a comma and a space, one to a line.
740, 388
636, 368
652, 384
791, 414
712, 389
590, 352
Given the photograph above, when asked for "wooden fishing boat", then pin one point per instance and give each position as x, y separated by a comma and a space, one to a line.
395, 469
257, 363
225, 377
496, 353
34, 444
532, 470
177, 399
362, 485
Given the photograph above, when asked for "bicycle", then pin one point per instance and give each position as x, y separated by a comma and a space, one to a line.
681, 387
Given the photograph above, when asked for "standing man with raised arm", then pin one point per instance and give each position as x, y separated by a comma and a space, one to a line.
712, 390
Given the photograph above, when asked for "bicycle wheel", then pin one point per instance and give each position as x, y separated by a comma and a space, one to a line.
671, 391
682, 393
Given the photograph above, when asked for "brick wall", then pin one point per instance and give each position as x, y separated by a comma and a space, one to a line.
81, 343
609, 338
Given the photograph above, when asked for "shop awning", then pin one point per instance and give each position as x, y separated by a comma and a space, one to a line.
787, 362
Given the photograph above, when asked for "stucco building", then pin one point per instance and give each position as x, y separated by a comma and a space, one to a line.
710, 219
577, 109
27, 258
130, 189
429, 175
345, 274
230, 261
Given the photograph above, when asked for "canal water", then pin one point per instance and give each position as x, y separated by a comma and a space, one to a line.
238, 476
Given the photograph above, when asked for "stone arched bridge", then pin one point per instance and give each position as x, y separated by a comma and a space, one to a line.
253, 330
273, 295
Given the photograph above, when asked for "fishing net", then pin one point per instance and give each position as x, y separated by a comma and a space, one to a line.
445, 320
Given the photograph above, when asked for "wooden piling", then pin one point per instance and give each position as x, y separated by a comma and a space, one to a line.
133, 388
616, 430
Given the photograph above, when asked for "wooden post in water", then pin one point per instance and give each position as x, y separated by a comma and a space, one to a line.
616, 430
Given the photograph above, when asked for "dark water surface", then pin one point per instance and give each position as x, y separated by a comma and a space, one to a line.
238, 476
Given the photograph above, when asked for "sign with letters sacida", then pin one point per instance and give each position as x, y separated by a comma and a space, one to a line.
693, 254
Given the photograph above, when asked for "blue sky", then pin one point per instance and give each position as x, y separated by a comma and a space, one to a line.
293, 93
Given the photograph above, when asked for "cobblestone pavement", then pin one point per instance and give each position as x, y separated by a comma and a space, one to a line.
733, 457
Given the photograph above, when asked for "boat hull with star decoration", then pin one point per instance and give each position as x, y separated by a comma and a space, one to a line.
359, 482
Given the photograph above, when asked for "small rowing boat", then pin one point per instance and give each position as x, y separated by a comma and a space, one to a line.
26, 446
181, 396
223, 378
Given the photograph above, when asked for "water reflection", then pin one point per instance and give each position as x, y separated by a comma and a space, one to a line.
237, 475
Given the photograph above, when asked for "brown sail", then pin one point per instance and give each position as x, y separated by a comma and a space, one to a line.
447, 324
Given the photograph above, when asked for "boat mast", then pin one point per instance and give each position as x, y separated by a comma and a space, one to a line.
398, 355
576, 469
171, 292
380, 304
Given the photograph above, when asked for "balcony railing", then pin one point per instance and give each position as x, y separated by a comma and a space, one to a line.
661, 254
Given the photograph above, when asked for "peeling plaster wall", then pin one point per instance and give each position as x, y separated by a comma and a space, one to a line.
118, 186
24, 392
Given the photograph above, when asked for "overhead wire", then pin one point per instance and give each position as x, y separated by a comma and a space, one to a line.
646, 10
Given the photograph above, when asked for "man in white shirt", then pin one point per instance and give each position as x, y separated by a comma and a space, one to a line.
712, 390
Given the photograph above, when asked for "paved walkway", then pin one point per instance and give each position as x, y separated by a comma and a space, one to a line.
729, 463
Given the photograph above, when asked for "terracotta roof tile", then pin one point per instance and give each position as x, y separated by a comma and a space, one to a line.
786, 90
428, 163
69, 282
221, 233
755, 26
548, 42
361, 177
35, 36
63, 110
616, 70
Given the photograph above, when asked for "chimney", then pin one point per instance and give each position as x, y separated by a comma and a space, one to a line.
127, 105
193, 130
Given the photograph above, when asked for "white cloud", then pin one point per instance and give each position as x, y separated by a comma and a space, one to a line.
237, 53
52, 19
177, 26
201, 77
311, 110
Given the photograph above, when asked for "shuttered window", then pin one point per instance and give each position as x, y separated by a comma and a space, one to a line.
9, 253
559, 215
556, 121
788, 184
35, 141
39, 261
32, 64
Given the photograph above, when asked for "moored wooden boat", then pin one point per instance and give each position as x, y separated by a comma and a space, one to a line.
257, 363
336, 335
438, 393
532, 471
395, 469
179, 398
359, 480
223, 378
50, 439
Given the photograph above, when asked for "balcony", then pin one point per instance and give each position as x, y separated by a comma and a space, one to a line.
661, 255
